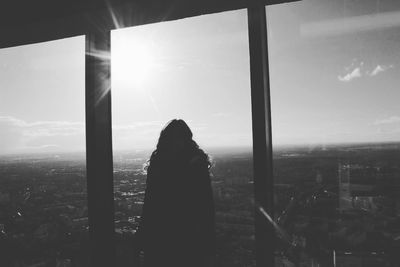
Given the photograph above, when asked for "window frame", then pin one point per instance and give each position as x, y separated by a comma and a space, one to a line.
99, 156
99, 164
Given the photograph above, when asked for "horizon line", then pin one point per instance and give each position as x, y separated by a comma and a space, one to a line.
207, 148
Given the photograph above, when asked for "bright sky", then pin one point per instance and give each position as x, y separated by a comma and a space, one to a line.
196, 69
42, 97
334, 69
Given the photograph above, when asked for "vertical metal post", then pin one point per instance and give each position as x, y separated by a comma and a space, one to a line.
262, 139
99, 150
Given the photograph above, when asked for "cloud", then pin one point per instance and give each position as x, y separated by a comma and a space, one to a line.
379, 69
348, 25
44, 128
356, 73
11, 137
144, 135
355, 70
390, 120
17, 135
388, 128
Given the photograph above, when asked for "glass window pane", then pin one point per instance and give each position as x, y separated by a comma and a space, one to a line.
43, 207
334, 84
196, 69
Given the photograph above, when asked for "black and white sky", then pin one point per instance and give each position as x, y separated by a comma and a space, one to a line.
334, 68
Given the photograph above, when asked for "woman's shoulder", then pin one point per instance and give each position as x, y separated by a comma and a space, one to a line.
199, 158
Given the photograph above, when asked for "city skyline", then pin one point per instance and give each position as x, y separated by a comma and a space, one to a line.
329, 83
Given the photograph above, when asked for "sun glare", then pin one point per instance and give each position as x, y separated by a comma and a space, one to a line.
132, 63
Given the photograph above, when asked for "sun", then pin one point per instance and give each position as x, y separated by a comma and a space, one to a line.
132, 63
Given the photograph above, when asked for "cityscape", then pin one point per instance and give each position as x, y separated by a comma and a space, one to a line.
333, 82
335, 205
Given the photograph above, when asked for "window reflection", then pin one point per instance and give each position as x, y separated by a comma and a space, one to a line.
335, 131
43, 205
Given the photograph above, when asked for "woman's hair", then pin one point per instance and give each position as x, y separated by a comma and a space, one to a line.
177, 129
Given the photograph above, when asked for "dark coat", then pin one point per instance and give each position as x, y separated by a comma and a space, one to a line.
178, 220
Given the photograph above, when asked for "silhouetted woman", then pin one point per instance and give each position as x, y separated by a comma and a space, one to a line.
178, 219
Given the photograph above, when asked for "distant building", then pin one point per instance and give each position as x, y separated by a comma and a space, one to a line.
352, 195
345, 200
318, 177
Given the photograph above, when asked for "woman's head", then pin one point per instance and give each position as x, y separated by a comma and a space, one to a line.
175, 138
175, 142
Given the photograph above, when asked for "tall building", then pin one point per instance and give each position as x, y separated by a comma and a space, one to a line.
355, 195
345, 198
